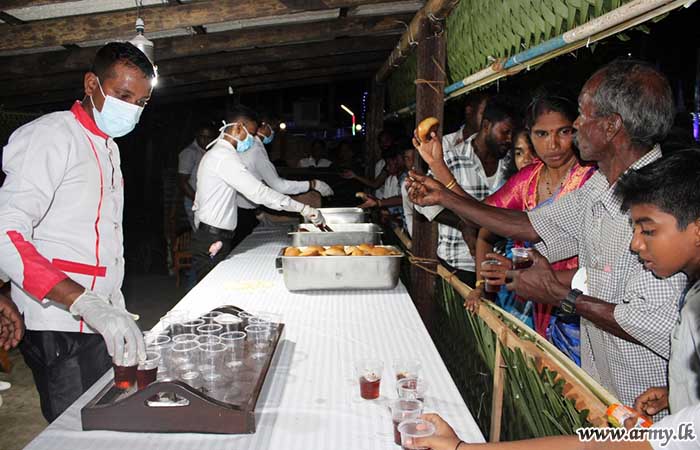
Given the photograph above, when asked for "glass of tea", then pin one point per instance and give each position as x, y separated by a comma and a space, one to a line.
522, 258
147, 370
487, 265
369, 373
124, 376
415, 428
406, 368
412, 388
401, 410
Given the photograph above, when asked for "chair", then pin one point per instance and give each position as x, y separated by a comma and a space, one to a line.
182, 256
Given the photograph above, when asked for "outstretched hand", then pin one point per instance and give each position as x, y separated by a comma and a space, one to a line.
430, 150
424, 190
538, 283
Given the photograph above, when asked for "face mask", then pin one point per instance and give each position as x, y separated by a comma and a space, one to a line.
242, 145
117, 117
267, 139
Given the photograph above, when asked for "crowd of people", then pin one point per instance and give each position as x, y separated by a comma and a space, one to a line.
612, 221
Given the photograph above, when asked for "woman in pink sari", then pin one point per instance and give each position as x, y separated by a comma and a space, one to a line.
557, 172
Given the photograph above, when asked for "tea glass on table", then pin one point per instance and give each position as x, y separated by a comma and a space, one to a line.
406, 368
184, 357
522, 258
184, 337
369, 374
235, 342
403, 409
211, 364
207, 339
211, 316
229, 322
191, 326
147, 370
124, 376
412, 388
415, 428
160, 343
258, 337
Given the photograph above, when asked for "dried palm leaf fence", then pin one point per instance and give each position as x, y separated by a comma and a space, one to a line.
516, 383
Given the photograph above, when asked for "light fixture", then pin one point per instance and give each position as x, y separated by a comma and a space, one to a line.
139, 41
352, 114
358, 127
283, 126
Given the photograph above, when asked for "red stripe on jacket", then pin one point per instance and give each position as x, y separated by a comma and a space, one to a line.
39, 275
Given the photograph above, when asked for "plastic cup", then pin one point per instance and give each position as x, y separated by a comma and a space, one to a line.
207, 339
415, 428
211, 316
191, 377
229, 322
406, 368
485, 265
258, 337
245, 317
235, 342
211, 363
401, 410
173, 322
184, 337
522, 258
124, 376
191, 326
369, 374
212, 329
147, 370
412, 388
184, 357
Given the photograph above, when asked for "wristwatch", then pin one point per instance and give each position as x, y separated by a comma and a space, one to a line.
568, 305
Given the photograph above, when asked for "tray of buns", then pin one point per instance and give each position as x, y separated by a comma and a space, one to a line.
342, 234
320, 267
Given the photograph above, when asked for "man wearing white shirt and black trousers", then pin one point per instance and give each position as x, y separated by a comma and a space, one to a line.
258, 163
222, 176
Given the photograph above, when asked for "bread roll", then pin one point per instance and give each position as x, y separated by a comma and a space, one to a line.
427, 126
317, 248
310, 253
361, 195
357, 252
333, 251
379, 251
365, 247
291, 251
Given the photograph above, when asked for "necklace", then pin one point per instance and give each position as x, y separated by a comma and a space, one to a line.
548, 184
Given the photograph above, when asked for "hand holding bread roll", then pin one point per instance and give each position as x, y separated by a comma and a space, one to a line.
429, 148
425, 129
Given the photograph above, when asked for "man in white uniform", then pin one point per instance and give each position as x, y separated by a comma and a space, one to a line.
258, 163
221, 178
61, 239
188, 162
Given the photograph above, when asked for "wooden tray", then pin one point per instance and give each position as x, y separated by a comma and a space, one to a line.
175, 407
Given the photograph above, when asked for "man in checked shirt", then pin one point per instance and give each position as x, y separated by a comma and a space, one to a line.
625, 110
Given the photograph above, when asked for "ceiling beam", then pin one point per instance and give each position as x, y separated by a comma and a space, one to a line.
16, 4
114, 24
209, 44
33, 86
66, 96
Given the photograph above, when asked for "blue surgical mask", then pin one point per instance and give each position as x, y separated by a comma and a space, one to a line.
117, 117
242, 145
268, 139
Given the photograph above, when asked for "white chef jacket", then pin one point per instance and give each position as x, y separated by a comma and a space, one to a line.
188, 162
220, 178
259, 165
684, 362
61, 208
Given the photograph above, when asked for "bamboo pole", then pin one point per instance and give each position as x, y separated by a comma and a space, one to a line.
498, 382
435, 12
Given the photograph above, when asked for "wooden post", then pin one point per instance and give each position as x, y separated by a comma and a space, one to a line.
497, 398
375, 123
429, 102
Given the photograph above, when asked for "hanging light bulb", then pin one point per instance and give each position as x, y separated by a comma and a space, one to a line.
139, 41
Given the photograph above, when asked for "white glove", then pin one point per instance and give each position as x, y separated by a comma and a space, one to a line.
313, 215
121, 334
322, 188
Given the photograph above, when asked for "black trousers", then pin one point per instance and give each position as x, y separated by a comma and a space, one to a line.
466, 277
64, 365
202, 263
246, 224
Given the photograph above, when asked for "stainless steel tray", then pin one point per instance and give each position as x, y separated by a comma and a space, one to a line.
312, 273
342, 234
343, 215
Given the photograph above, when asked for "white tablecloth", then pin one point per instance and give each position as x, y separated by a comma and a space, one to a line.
311, 399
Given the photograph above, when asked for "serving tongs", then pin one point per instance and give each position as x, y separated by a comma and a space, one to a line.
325, 228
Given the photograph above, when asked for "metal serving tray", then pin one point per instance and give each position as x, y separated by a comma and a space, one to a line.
342, 234
312, 273
343, 215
